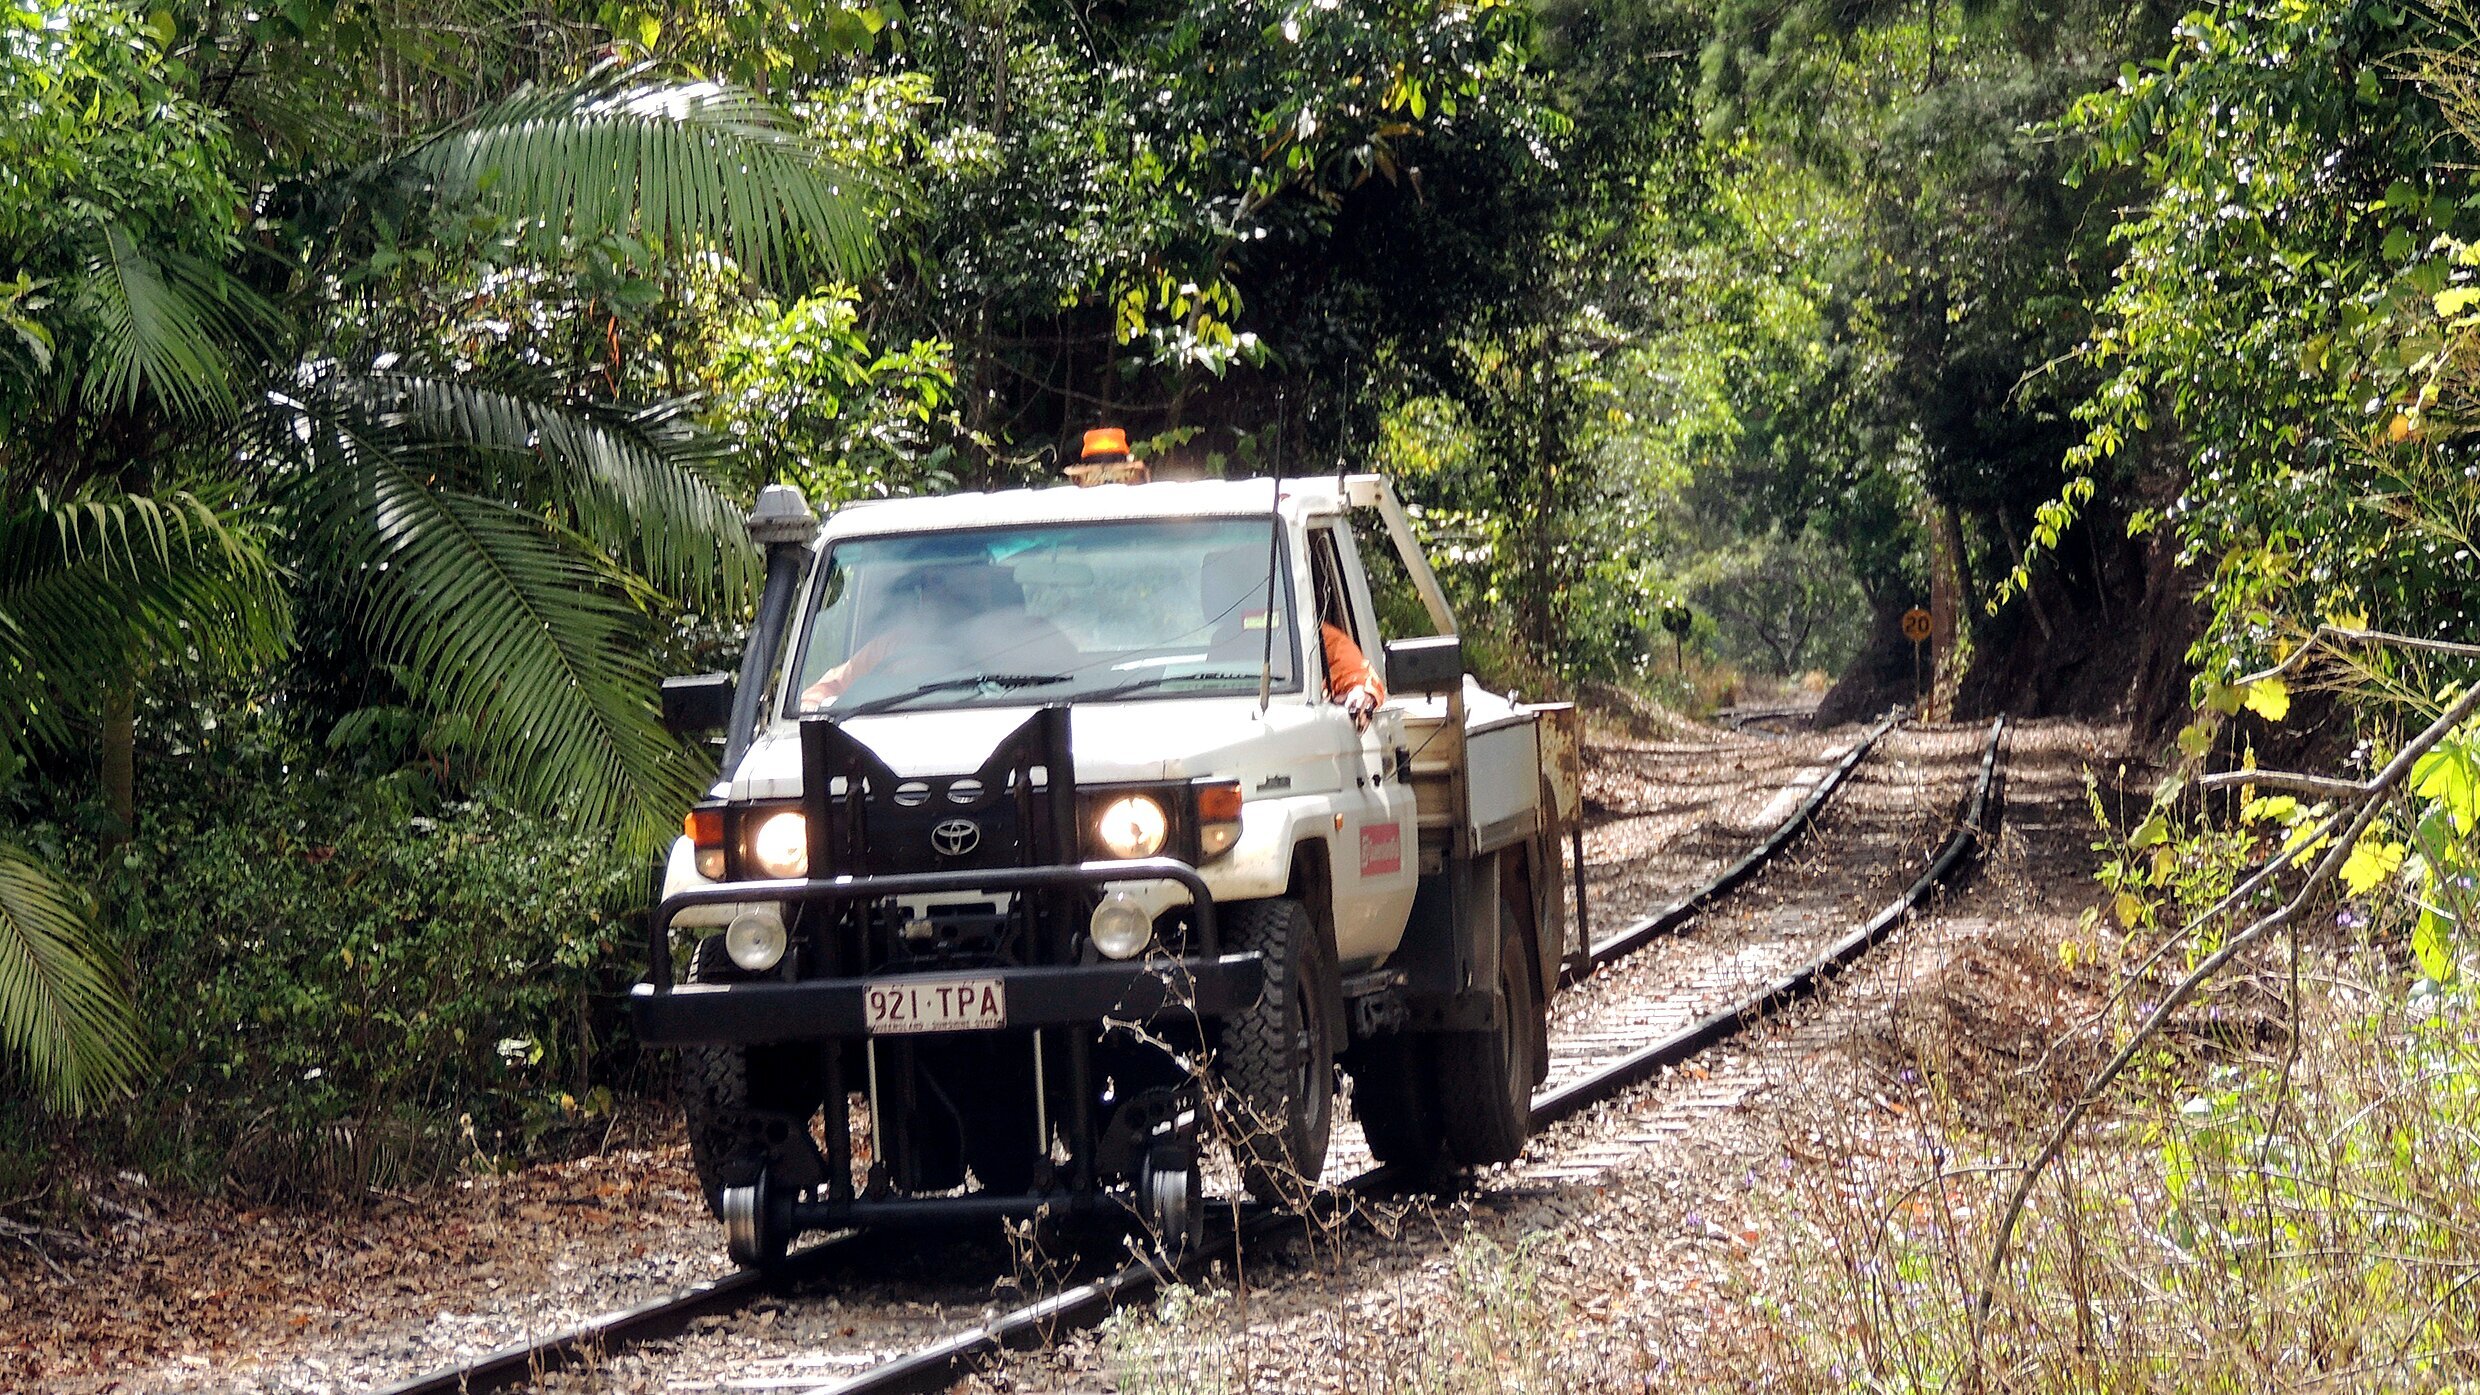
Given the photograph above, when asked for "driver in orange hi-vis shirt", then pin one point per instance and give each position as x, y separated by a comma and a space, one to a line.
1349, 678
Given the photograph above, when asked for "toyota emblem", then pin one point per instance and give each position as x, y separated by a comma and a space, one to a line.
956, 837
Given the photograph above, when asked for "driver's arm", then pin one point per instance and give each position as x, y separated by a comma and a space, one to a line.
1349, 678
835, 680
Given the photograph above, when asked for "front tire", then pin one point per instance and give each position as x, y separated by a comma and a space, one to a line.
1278, 1056
747, 1108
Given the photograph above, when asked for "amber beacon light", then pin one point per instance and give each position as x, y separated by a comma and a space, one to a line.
1104, 459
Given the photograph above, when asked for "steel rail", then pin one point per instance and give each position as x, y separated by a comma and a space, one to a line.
1741, 718
1800, 983
1678, 913
939, 1365
523, 1362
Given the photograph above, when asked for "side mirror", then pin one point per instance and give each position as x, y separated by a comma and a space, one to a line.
698, 704
1432, 664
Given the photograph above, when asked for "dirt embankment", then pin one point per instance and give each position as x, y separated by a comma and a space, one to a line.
2101, 635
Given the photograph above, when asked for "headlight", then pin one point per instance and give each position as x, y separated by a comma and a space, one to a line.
1132, 826
1121, 929
755, 940
781, 845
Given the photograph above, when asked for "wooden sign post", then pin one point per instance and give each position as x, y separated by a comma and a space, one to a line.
1917, 626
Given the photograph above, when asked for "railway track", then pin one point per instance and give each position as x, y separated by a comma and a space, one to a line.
1584, 1073
1743, 718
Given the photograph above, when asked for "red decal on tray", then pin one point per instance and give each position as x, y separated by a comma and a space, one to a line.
1382, 849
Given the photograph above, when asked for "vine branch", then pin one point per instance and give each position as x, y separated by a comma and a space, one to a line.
2284, 780
2370, 798
2353, 634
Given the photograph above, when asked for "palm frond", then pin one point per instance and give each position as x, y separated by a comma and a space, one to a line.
61, 1014
165, 324
643, 486
679, 162
92, 585
135, 535
499, 615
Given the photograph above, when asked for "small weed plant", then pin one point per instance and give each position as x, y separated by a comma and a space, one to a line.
2279, 1192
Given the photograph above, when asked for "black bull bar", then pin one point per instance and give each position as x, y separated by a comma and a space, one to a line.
1037, 996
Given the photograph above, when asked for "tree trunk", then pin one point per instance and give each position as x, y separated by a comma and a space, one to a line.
120, 757
1949, 586
1542, 549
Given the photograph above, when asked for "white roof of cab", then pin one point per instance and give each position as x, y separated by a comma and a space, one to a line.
1068, 503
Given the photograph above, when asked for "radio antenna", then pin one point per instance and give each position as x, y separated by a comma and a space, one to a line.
1343, 461
1274, 560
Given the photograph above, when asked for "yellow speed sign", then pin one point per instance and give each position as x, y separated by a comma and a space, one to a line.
1916, 625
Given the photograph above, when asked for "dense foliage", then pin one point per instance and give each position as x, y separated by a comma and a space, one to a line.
319, 946
387, 386
2288, 305
230, 422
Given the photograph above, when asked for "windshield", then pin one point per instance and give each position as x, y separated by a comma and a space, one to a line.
1055, 613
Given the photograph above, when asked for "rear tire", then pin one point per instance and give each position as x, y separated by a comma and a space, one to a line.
1489, 1075
1396, 1101
1277, 1063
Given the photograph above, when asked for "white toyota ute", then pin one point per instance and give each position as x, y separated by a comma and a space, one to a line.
1046, 850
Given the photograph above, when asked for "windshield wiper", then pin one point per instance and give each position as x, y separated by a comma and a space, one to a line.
1156, 680
977, 680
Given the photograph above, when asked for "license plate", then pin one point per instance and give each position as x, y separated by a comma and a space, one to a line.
935, 1005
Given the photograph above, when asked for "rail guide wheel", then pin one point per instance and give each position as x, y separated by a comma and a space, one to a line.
757, 1223
1171, 1199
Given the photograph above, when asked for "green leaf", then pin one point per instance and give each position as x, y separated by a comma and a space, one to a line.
2448, 777
96, 585
2372, 860
2196, 738
2432, 945
642, 485
500, 615
166, 325
2269, 698
2153, 830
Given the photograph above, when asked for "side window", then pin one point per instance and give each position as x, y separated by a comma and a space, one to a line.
1400, 612
1334, 598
